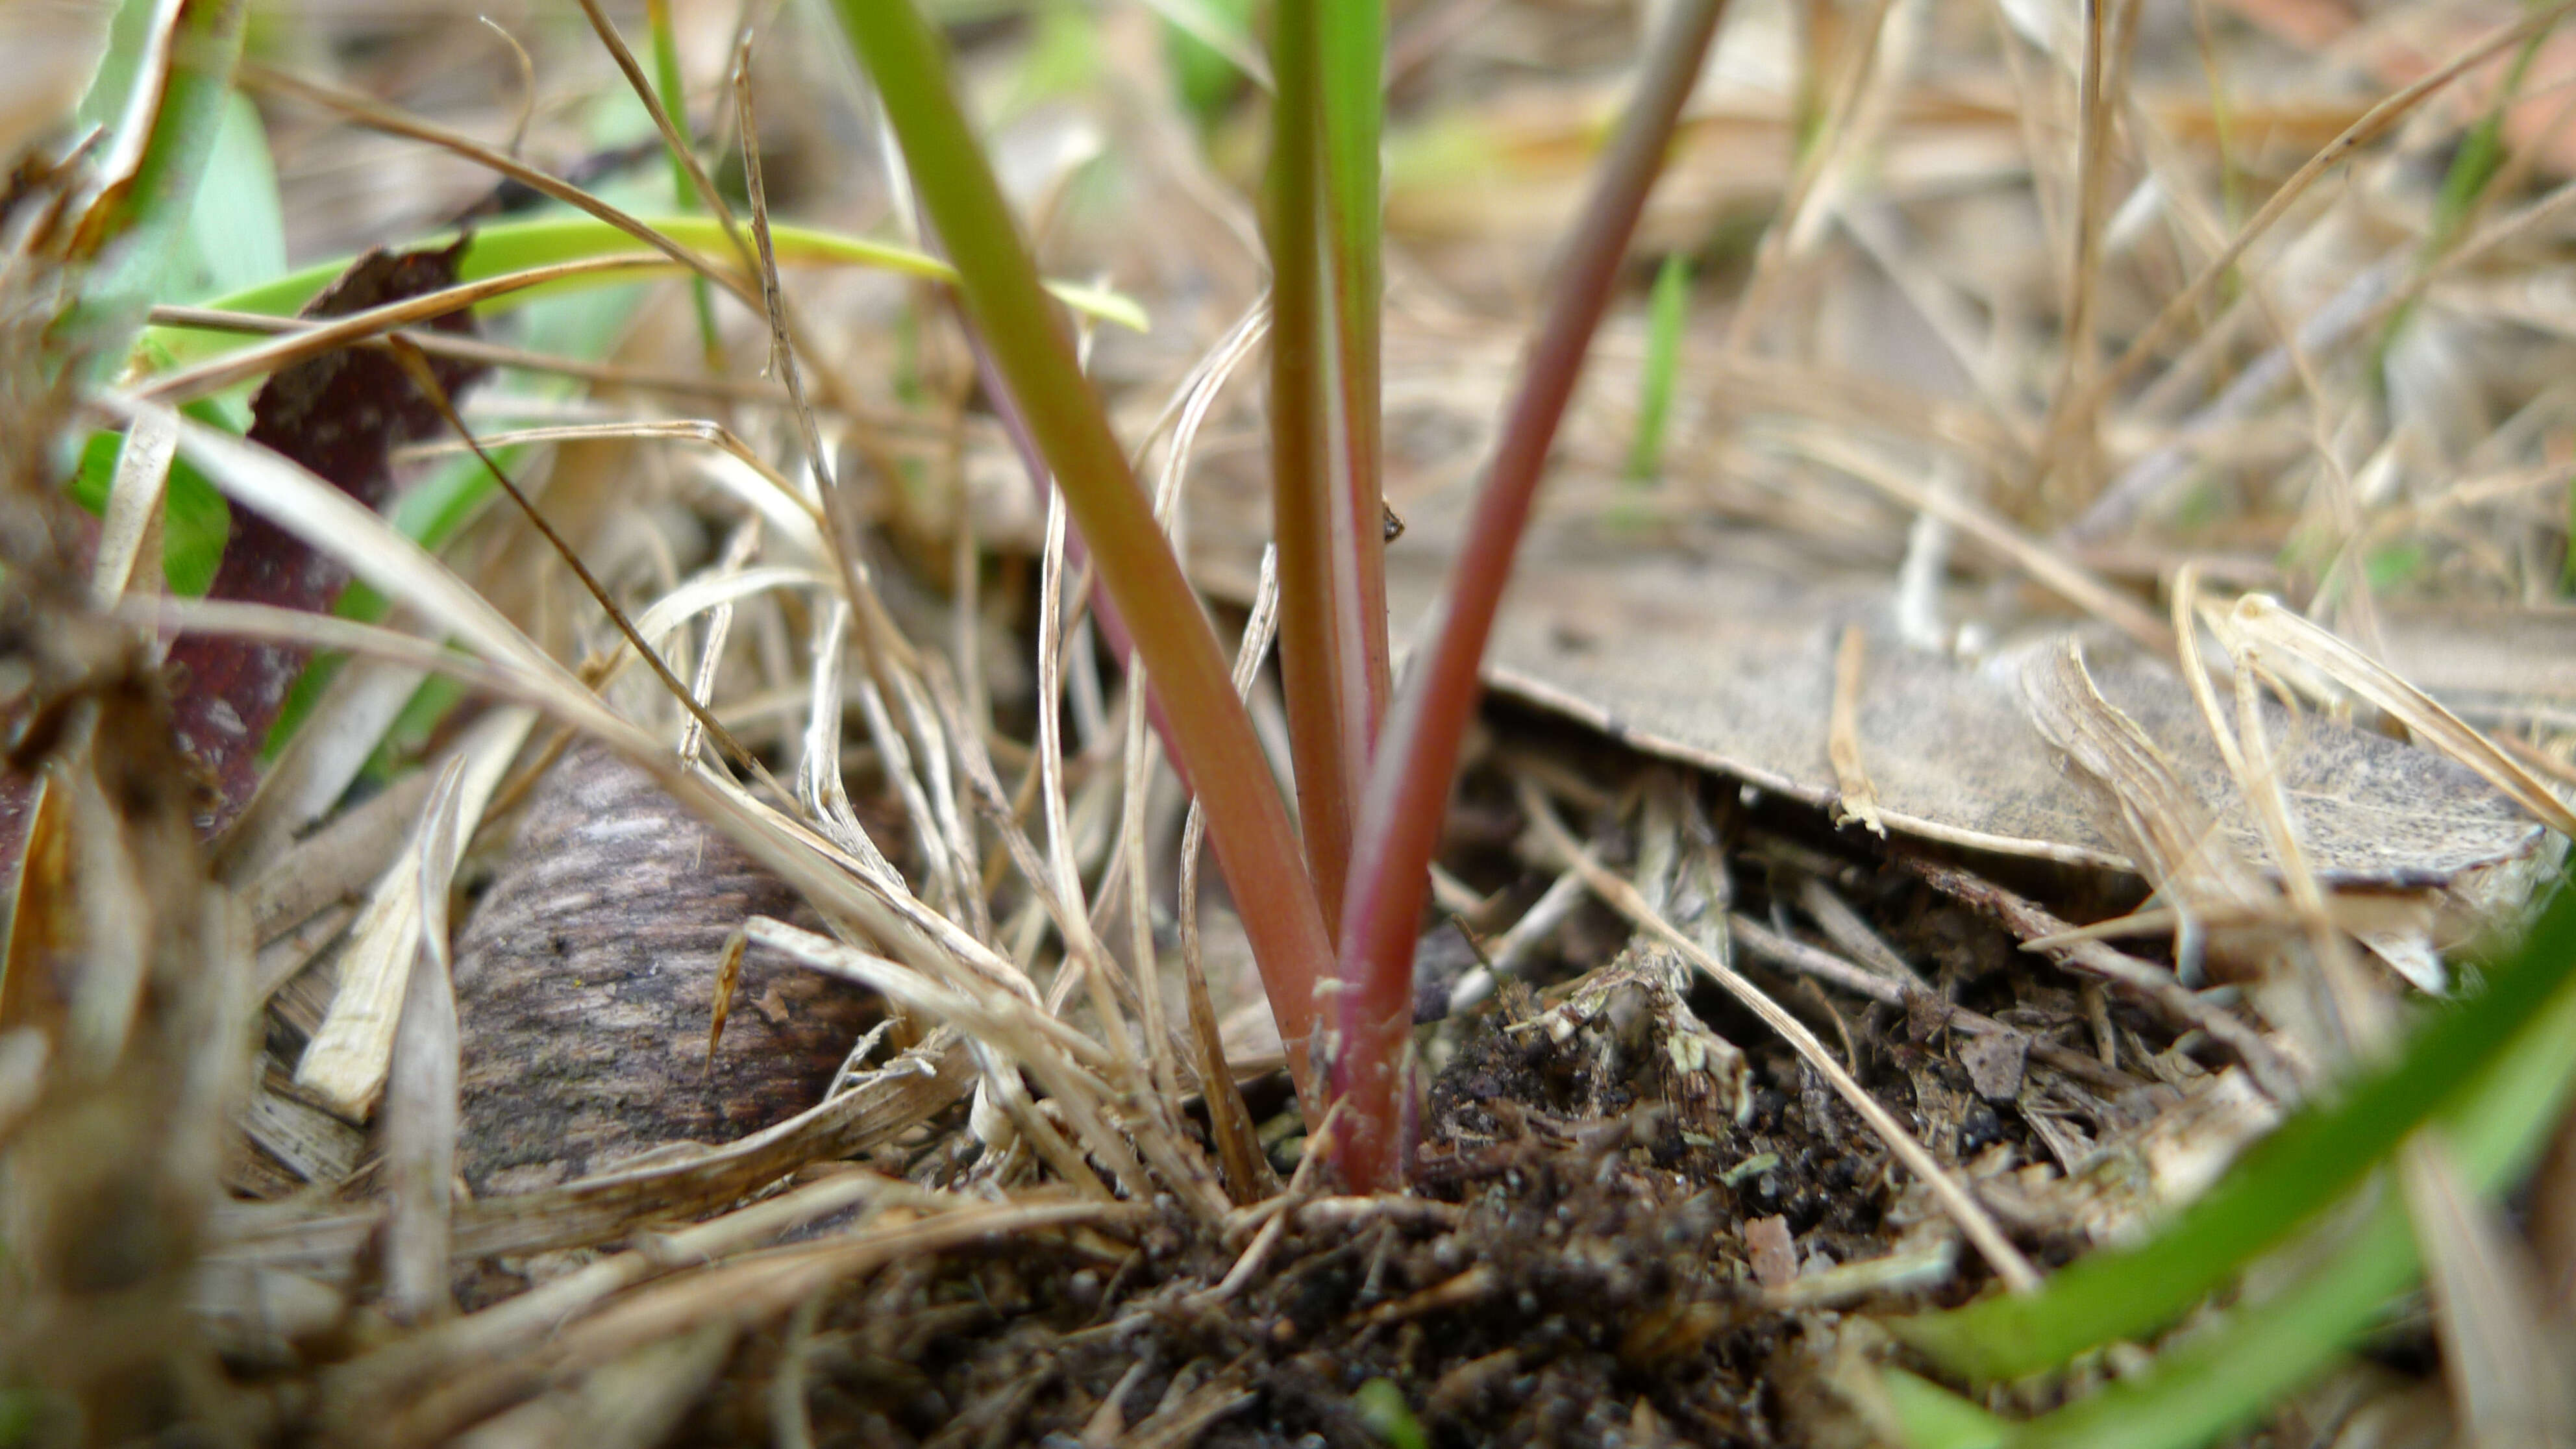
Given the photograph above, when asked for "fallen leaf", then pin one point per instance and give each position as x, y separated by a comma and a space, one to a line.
1729, 664
340, 415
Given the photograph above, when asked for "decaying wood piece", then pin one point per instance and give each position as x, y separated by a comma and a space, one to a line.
586, 980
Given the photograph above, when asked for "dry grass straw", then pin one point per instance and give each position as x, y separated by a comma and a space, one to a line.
615, 1347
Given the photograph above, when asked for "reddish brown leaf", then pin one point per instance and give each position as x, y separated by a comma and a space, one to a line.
340, 415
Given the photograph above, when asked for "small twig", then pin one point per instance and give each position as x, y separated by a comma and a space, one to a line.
1954, 1197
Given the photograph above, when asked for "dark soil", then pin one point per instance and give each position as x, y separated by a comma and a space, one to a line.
1574, 1271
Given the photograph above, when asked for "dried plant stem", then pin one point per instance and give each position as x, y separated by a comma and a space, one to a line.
2007, 1260
2372, 124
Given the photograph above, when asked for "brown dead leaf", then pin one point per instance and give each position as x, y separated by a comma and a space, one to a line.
1729, 664
340, 415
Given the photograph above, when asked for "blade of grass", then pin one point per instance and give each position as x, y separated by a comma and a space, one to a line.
518, 246
2495, 1124
1418, 757
2298, 1171
1324, 450
1668, 311
667, 83
1008, 308
173, 113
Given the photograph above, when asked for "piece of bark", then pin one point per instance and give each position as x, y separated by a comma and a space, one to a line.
586, 977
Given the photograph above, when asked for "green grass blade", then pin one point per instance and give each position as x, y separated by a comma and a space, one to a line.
1219, 755
519, 245
1418, 755
2496, 1125
1667, 311
172, 112
1324, 403
1932, 1417
673, 90
2309, 1163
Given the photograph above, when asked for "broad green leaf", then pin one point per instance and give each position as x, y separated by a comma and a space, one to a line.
236, 235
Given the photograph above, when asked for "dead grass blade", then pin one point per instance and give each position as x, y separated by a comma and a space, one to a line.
256, 77
2045, 565
1859, 800
235, 368
2504, 1361
2173, 834
421, 1109
2372, 124
346, 1064
133, 516
2258, 622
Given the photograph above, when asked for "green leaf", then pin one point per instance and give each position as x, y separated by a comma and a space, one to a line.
519, 245
1935, 1418
1381, 1406
236, 234
2210, 1385
2309, 1163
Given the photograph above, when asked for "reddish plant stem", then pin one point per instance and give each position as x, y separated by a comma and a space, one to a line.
1325, 495
1019, 323
1368, 1052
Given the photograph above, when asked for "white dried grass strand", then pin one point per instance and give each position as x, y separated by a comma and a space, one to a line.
318, 765
1239, 1147
2501, 1355
133, 514
115, 917
2258, 621
1030, 1040
739, 549
2046, 565
421, 1109
345, 1064
819, 787
1051, 642
940, 778
894, 758
794, 517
